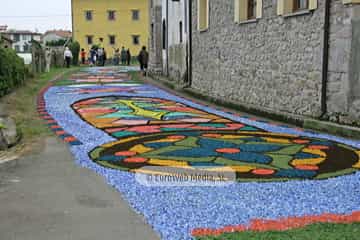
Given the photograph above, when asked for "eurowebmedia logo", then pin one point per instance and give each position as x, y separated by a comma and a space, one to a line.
188, 176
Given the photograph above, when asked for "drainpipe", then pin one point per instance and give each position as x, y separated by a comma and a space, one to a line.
325, 66
189, 44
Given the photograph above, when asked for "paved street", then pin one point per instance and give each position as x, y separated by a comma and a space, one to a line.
46, 196
122, 128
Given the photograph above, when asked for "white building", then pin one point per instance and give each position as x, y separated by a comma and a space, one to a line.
22, 39
56, 35
169, 31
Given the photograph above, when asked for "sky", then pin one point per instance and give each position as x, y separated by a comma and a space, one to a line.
36, 15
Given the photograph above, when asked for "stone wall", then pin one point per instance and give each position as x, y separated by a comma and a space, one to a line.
274, 63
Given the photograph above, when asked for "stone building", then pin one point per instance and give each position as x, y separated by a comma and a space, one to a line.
297, 57
169, 37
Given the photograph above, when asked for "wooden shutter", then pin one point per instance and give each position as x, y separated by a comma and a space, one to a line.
236, 10
313, 4
203, 14
259, 8
280, 7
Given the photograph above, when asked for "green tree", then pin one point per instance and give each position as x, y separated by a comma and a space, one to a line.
75, 50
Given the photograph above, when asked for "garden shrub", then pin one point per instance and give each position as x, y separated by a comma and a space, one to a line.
75, 50
12, 70
56, 43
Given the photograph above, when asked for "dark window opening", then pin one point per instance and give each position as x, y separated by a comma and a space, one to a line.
89, 40
136, 39
135, 15
88, 15
299, 5
251, 9
112, 40
152, 35
181, 31
111, 15
164, 34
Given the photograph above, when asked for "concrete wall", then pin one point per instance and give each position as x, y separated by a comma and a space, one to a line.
344, 61
172, 58
275, 63
176, 49
155, 39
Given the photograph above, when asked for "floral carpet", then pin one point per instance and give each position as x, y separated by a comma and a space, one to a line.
283, 177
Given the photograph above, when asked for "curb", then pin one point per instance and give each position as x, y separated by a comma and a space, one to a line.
48, 119
333, 128
297, 120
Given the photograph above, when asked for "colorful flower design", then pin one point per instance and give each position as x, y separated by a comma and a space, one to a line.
117, 146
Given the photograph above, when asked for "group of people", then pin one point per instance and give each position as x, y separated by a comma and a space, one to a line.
98, 57
124, 56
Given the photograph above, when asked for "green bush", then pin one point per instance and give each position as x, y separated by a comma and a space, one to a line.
12, 70
75, 50
56, 43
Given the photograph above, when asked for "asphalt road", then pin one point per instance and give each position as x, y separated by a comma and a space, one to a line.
45, 196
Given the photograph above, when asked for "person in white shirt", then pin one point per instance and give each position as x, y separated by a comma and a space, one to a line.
67, 56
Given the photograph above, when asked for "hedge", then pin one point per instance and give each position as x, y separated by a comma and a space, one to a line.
75, 50
12, 70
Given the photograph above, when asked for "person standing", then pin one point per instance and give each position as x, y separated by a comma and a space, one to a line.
123, 56
67, 56
128, 57
104, 57
48, 59
117, 57
143, 59
100, 54
83, 56
92, 56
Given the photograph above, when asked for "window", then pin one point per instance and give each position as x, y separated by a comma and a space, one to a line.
203, 15
164, 34
136, 39
111, 15
181, 31
16, 37
247, 10
285, 7
135, 15
112, 40
25, 37
17, 48
152, 35
299, 5
89, 39
26, 48
88, 15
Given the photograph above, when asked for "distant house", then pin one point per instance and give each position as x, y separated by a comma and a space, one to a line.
22, 39
56, 35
